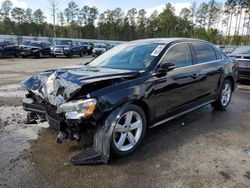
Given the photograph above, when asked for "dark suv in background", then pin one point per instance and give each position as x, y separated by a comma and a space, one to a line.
242, 56
67, 48
87, 46
8, 49
128, 89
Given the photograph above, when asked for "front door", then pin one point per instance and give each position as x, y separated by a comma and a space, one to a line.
179, 87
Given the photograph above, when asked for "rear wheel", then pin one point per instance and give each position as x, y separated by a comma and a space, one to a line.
225, 96
129, 131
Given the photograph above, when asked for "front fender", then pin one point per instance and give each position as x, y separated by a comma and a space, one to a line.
100, 152
103, 135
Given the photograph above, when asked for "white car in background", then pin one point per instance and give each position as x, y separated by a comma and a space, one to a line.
99, 49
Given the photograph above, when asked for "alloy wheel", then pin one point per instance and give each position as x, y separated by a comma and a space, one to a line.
226, 94
127, 131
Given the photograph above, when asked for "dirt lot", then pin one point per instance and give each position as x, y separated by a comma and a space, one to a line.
205, 148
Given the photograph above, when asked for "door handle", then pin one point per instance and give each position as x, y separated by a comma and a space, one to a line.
194, 76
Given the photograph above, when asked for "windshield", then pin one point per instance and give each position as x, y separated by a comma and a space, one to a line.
127, 56
242, 50
64, 42
38, 44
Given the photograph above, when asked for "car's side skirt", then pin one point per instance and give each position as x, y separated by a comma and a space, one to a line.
180, 114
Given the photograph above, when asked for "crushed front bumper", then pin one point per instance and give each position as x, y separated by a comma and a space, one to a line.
100, 151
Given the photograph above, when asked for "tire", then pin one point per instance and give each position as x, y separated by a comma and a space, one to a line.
24, 56
225, 96
17, 54
70, 55
1, 55
128, 136
39, 54
81, 54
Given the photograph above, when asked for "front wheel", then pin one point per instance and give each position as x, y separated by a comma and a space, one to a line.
129, 131
39, 54
17, 54
224, 97
1, 55
81, 54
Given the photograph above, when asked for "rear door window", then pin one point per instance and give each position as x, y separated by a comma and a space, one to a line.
204, 53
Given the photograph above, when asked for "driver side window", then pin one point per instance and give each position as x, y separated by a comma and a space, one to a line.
180, 55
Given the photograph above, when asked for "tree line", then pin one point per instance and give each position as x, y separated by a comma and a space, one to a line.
213, 21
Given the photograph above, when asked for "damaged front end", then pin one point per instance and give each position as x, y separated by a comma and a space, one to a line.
63, 98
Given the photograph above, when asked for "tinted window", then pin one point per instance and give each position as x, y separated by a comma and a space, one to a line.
180, 55
204, 53
218, 55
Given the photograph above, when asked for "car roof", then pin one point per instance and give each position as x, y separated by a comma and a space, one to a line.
167, 40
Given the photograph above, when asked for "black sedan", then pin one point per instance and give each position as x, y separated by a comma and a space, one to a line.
130, 88
9, 49
36, 48
67, 48
242, 55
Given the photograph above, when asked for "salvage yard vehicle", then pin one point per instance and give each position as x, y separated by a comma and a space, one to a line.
242, 56
130, 88
87, 46
37, 49
8, 49
99, 49
67, 48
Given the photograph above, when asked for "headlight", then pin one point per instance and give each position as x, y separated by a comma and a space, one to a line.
78, 108
66, 48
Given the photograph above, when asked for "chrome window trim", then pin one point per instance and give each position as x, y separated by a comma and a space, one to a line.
208, 62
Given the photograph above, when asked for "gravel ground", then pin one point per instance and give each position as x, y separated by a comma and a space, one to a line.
205, 148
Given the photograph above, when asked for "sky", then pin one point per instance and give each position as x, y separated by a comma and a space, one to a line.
102, 5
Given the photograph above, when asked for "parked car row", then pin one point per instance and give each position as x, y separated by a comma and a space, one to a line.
39, 49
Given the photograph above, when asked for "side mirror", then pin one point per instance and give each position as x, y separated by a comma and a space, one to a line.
166, 67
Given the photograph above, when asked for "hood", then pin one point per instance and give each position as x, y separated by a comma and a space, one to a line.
100, 49
61, 46
59, 86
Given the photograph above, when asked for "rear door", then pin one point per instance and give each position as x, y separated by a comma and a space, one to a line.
178, 89
209, 62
